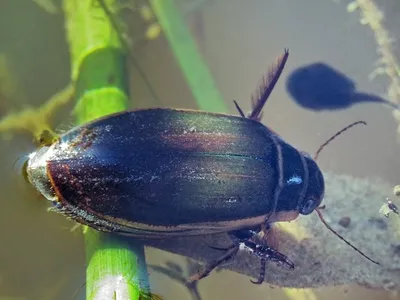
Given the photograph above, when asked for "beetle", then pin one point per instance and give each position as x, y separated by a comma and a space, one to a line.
162, 173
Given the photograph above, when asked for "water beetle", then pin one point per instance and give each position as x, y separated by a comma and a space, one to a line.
160, 173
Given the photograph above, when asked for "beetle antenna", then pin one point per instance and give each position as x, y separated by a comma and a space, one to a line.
318, 209
335, 136
340, 237
268, 82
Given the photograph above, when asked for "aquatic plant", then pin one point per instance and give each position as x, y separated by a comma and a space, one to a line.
373, 17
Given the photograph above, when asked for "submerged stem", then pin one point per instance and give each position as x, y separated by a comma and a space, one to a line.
116, 268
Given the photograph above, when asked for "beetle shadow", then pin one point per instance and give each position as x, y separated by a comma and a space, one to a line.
320, 87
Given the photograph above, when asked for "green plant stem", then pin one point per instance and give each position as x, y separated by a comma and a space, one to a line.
116, 269
195, 71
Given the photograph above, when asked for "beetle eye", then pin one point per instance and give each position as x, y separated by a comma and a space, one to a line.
308, 206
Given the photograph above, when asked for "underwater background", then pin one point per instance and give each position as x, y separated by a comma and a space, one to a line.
326, 85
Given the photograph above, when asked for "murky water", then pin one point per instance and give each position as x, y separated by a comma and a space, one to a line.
40, 258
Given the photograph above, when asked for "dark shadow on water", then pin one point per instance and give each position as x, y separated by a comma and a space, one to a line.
320, 87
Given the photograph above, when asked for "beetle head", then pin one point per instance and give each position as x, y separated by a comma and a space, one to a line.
315, 189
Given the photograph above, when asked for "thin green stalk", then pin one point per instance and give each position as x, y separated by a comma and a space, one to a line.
116, 269
194, 69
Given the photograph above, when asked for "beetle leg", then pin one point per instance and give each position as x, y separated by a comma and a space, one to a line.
211, 266
239, 109
265, 253
243, 240
261, 276
241, 235
222, 248
260, 97
230, 252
